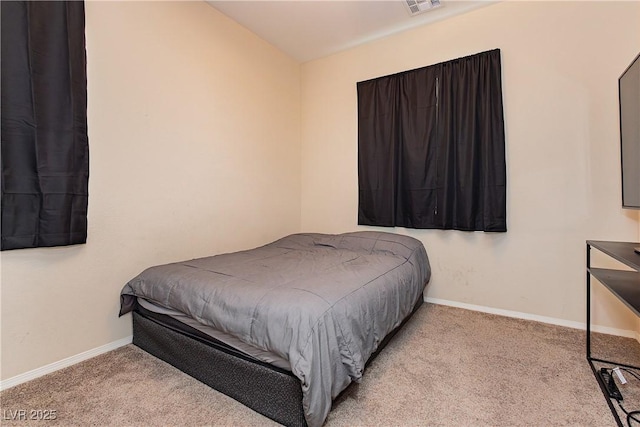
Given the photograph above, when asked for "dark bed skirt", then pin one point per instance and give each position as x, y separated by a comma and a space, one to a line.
270, 391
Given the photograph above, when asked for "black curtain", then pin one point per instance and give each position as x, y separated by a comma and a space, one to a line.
45, 152
431, 147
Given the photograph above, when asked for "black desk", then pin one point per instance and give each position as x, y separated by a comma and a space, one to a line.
625, 285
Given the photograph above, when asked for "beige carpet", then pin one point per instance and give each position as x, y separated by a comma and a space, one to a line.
447, 367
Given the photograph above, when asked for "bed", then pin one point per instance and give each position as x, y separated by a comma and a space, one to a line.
286, 327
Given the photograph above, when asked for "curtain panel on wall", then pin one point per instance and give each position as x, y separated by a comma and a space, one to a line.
45, 152
431, 147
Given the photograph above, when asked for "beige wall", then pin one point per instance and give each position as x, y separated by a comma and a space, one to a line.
194, 130
195, 125
560, 65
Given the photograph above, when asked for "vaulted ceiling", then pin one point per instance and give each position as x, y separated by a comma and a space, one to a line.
307, 29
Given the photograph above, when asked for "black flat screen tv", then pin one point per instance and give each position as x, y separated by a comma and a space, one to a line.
629, 92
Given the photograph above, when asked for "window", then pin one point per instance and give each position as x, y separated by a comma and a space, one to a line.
45, 153
431, 147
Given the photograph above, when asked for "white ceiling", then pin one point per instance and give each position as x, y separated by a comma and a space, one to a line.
311, 29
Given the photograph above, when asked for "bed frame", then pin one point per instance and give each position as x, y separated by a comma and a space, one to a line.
268, 390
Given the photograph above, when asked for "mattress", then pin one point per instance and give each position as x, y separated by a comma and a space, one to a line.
266, 389
216, 335
323, 303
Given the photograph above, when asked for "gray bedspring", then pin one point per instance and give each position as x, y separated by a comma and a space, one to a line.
322, 302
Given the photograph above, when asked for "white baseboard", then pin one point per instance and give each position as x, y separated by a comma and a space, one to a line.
27, 376
535, 317
47, 369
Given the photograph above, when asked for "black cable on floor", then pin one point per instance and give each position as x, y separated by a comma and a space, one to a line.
631, 415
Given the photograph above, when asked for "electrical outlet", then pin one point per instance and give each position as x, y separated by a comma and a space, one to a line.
610, 384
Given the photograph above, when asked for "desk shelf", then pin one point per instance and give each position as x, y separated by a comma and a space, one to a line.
625, 285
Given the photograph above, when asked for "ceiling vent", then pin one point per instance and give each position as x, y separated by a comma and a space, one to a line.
419, 6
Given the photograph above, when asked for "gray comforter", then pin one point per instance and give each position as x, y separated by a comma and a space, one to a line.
322, 302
